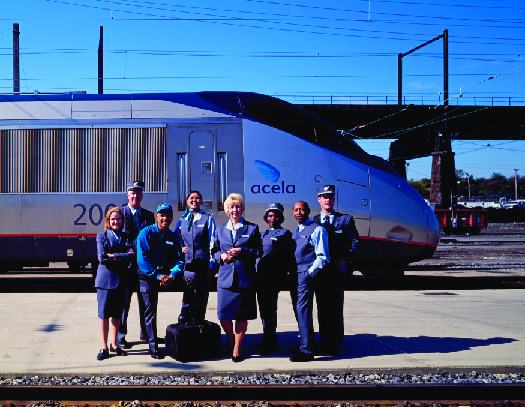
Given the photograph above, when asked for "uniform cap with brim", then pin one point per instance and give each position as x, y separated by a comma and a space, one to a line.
325, 189
135, 186
164, 207
275, 206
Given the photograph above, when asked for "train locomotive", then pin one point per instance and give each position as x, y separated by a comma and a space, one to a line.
65, 160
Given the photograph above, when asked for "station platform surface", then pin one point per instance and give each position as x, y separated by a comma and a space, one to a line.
399, 331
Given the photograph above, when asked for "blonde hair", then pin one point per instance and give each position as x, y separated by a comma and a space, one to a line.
233, 198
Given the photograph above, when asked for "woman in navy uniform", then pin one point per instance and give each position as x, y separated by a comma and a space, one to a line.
197, 230
114, 251
237, 246
271, 270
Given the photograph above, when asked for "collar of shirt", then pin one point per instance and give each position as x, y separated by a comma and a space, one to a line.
196, 215
133, 210
330, 216
229, 225
303, 225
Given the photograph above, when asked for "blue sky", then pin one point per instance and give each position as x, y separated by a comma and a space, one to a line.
302, 51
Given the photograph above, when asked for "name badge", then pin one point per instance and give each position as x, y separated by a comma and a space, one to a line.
171, 243
338, 231
200, 226
245, 235
274, 238
304, 237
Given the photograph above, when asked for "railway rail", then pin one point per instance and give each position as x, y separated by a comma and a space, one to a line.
265, 395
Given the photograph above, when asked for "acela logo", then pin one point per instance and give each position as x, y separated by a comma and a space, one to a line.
271, 173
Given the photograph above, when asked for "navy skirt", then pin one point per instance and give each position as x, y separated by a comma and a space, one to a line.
236, 303
111, 302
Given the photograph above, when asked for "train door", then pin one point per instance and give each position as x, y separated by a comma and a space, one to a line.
208, 160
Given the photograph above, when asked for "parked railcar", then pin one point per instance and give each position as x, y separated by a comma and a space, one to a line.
465, 221
65, 160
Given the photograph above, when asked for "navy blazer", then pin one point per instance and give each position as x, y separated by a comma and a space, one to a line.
275, 260
111, 267
146, 218
242, 268
343, 237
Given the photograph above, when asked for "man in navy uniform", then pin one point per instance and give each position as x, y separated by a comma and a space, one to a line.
310, 251
160, 259
135, 219
343, 241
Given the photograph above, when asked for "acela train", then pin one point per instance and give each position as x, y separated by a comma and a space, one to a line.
65, 159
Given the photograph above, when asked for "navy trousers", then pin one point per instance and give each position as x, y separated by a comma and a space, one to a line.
329, 294
148, 294
305, 287
131, 285
267, 299
196, 290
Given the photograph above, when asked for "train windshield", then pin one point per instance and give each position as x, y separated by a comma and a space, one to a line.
300, 123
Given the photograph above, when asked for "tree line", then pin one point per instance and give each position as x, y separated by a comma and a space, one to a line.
481, 189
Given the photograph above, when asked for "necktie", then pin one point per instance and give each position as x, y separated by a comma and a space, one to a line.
136, 218
266, 232
295, 232
326, 222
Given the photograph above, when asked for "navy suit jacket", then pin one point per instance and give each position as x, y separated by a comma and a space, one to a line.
343, 237
248, 239
275, 260
146, 218
111, 268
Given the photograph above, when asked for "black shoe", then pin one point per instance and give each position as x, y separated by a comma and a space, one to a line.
122, 343
237, 359
103, 354
333, 351
302, 357
118, 350
155, 354
267, 348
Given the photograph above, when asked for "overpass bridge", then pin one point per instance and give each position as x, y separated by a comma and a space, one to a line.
421, 131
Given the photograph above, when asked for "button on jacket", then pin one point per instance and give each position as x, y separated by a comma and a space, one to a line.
242, 268
112, 268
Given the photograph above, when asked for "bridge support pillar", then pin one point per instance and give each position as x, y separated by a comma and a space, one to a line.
443, 187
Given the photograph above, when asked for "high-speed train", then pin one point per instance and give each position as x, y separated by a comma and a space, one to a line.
65, 160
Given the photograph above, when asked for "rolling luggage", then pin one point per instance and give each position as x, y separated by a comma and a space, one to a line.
193, 341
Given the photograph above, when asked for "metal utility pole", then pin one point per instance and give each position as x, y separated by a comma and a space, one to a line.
516, 183
445, 67
101, 62
468, 181
16, 58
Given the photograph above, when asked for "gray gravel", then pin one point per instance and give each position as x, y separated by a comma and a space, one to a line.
265, 379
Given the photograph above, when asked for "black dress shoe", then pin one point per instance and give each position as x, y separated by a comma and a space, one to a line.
122, 343
118, 350
155, 354
103, 354
237, 359
333, 351
267, 348
302, 357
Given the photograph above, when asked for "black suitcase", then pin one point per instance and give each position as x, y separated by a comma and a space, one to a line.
193, 341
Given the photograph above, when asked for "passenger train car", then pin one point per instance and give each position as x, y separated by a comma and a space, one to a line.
65, 159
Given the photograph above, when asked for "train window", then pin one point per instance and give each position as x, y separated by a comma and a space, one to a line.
206, 168
182, 180
475, 218
300, 123
222, 178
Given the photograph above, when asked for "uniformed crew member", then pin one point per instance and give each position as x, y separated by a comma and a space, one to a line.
272, 267
237, 246
135, 219
114, 252
343, 240
197, 230
310, 250
160, 259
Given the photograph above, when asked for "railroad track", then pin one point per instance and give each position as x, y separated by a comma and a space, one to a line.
277, 395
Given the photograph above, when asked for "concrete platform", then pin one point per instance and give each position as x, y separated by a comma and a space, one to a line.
410, 331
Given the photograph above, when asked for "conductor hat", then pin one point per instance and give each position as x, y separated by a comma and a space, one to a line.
325, 189
275, 206
135, 186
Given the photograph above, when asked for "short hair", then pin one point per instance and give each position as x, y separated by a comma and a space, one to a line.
306, 206
194, 192
278, 213
232, 198
108, 215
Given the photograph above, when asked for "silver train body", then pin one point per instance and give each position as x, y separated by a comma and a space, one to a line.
65, 160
